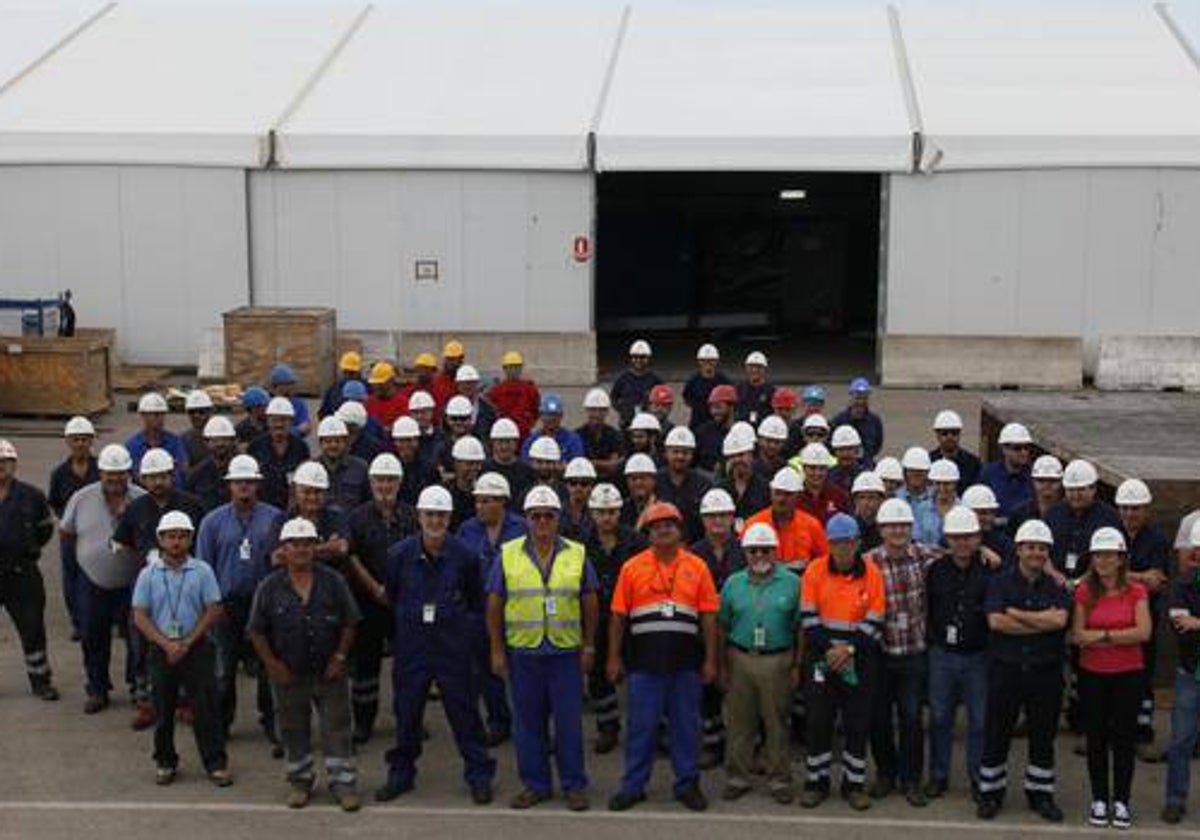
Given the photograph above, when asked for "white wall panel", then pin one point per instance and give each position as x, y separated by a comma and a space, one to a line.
158, 253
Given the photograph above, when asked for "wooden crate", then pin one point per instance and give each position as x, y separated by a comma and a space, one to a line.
55, 376
257, 337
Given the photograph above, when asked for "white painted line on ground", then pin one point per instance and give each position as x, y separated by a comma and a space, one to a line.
813, 820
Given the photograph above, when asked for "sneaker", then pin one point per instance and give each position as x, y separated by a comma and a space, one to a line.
1098, 815
857, 799
347, 799
164, 775
812, 797
1172, 813
606, 742
577, 801
527, 799
95, 703
143, 717
692, 798
622, 801
390, 790
221, 778
1122, 817
300, 794
936, 789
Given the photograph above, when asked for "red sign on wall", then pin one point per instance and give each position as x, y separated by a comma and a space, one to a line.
582, 248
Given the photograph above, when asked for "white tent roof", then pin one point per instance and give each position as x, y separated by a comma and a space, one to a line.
1046, 88
172, 85
29, 32
744, 89
417, 87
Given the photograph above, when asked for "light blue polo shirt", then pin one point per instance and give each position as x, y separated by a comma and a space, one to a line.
176, 598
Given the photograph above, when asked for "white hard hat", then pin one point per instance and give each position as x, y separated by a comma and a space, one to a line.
405, 427
243, 468
773, 427
1048, 467
466, 373
894, 512
419, 401
682, 437
311, 474
79, 426
115, 458
760, 535
458, 406
174, 520
579, 468
541, 496
504, 429
818, 421
947, 421
1079, 473
815, 455
1035, 531
1194, 536
645, 422
297, 529
352, 413
280, 407
605, 496
152, 403
597, 398
640, 348
787, 480
492, 484
1107, 539
944, 470
867, 482
845, 436
756, 358
715, 501
197, 398
980, 497
1133, 491
219, 426
467, 448
708, 353
1014, 433
8, 452
386, 465
640, 463
915, 458
545, 449
331, 427
436, 499
960, 520
156, 461
889, 469
740, 438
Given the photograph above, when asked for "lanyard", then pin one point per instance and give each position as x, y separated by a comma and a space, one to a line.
757, 592
173, 608
666, 586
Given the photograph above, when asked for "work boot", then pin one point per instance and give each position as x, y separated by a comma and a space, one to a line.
935, 789
622, 801
783, 794
164, 775
143, 717
606, 741
692, 798
577, 800
812, 797
221, 777
988, 808
882, 788
1172, 813
1148, 753
95, 703
1046, 808
915, 796
300, 793
527, 799
856, 799
347, 798
482, 794
46, 691
390, 790
734, 792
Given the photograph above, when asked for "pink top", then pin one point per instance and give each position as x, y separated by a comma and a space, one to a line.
1114, 611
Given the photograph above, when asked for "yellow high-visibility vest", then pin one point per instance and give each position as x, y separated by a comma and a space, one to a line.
526, 618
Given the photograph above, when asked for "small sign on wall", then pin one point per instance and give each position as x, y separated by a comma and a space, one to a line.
425, 271
581, 248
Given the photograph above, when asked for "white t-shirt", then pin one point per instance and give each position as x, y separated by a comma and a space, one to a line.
88, 517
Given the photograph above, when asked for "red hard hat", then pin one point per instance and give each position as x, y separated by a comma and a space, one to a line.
661, 395
657, 512
723, 394
783, 398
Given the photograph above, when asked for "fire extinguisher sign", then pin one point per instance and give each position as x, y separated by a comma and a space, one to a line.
581, 248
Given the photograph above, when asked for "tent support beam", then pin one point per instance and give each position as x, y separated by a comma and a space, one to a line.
911, 104
56, 48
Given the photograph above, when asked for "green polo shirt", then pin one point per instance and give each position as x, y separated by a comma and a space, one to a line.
772, 604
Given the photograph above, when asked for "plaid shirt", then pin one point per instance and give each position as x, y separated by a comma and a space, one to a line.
906, 612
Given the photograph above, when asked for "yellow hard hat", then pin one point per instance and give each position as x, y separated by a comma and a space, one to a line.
350, 361
381, 372
425, 360
454, 350
512, 357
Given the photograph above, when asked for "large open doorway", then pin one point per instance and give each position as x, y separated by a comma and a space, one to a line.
784, 262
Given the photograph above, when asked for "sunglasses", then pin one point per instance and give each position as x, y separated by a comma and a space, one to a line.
758, 551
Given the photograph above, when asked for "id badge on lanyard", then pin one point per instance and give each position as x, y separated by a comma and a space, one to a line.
668, 610
244, 551
551, 606
760, 637
1072, 562
429, 614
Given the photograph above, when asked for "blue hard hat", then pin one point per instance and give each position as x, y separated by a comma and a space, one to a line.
841, 527
282, 375
814, 394
860, 386
354, 390
255, 397
551, 404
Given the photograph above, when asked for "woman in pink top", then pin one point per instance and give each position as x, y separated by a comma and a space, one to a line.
1111, 621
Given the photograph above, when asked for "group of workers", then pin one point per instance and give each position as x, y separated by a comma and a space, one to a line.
756, 577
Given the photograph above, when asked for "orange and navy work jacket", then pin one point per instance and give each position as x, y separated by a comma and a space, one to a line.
663, 603
841, 606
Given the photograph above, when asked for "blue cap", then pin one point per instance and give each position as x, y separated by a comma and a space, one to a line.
814, 394
860, 386
841, 527
551, 404
354, 390
282, 375
255, 397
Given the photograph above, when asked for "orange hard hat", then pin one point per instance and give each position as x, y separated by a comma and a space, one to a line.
659, 511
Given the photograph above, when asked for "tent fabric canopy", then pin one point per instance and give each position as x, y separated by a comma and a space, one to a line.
816, 87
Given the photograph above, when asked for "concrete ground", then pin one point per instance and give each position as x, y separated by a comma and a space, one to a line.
67, 775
